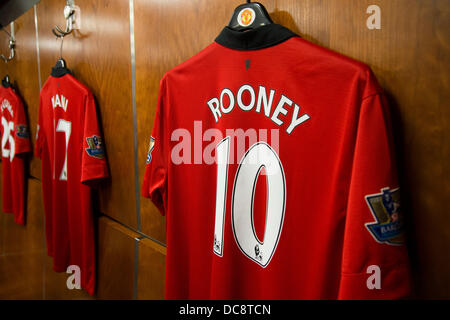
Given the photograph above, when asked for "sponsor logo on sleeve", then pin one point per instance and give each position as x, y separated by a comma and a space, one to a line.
22, 131
385, 208
150, 149
95, 149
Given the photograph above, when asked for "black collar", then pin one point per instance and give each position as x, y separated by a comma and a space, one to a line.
6, 84
59, 71
258, 38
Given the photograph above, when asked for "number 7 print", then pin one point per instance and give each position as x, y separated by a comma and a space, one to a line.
66, 127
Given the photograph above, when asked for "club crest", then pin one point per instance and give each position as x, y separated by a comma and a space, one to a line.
95, 147
150, 149
385, 208
246, 17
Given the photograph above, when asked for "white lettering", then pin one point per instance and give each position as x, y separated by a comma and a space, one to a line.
213, 104
191, 310
279, 109
230, 97
296, 121
262, 99
60, 102
252, 96
6, 105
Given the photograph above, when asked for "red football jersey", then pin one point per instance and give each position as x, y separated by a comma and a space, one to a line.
70, 146
272, 159
15, 142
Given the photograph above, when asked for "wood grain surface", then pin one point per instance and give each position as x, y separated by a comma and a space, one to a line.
99, 56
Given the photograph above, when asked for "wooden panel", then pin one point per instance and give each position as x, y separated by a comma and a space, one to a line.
151, 270
308, 18
410, 56
4, 40
28, 238
99, 56
115, 266
21, 276
23, 250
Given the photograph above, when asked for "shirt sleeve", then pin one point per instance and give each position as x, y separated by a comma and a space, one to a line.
39, 133
375, 261
93, 161
21, 130
155, 179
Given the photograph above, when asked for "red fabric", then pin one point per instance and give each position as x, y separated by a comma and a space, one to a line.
331, 162
67, 109
15, 142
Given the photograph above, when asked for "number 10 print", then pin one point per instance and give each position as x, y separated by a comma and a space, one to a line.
258, 156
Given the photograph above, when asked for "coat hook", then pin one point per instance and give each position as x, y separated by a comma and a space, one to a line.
68, 14
12, 44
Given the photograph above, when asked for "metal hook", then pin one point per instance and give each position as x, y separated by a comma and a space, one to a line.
68, 14
12, 44
60, 48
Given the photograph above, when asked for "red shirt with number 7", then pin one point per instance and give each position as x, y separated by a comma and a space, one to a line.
70, 146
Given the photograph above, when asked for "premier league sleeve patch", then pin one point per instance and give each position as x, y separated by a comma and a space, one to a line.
385, 208
150, 149
22, 131
95, 147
